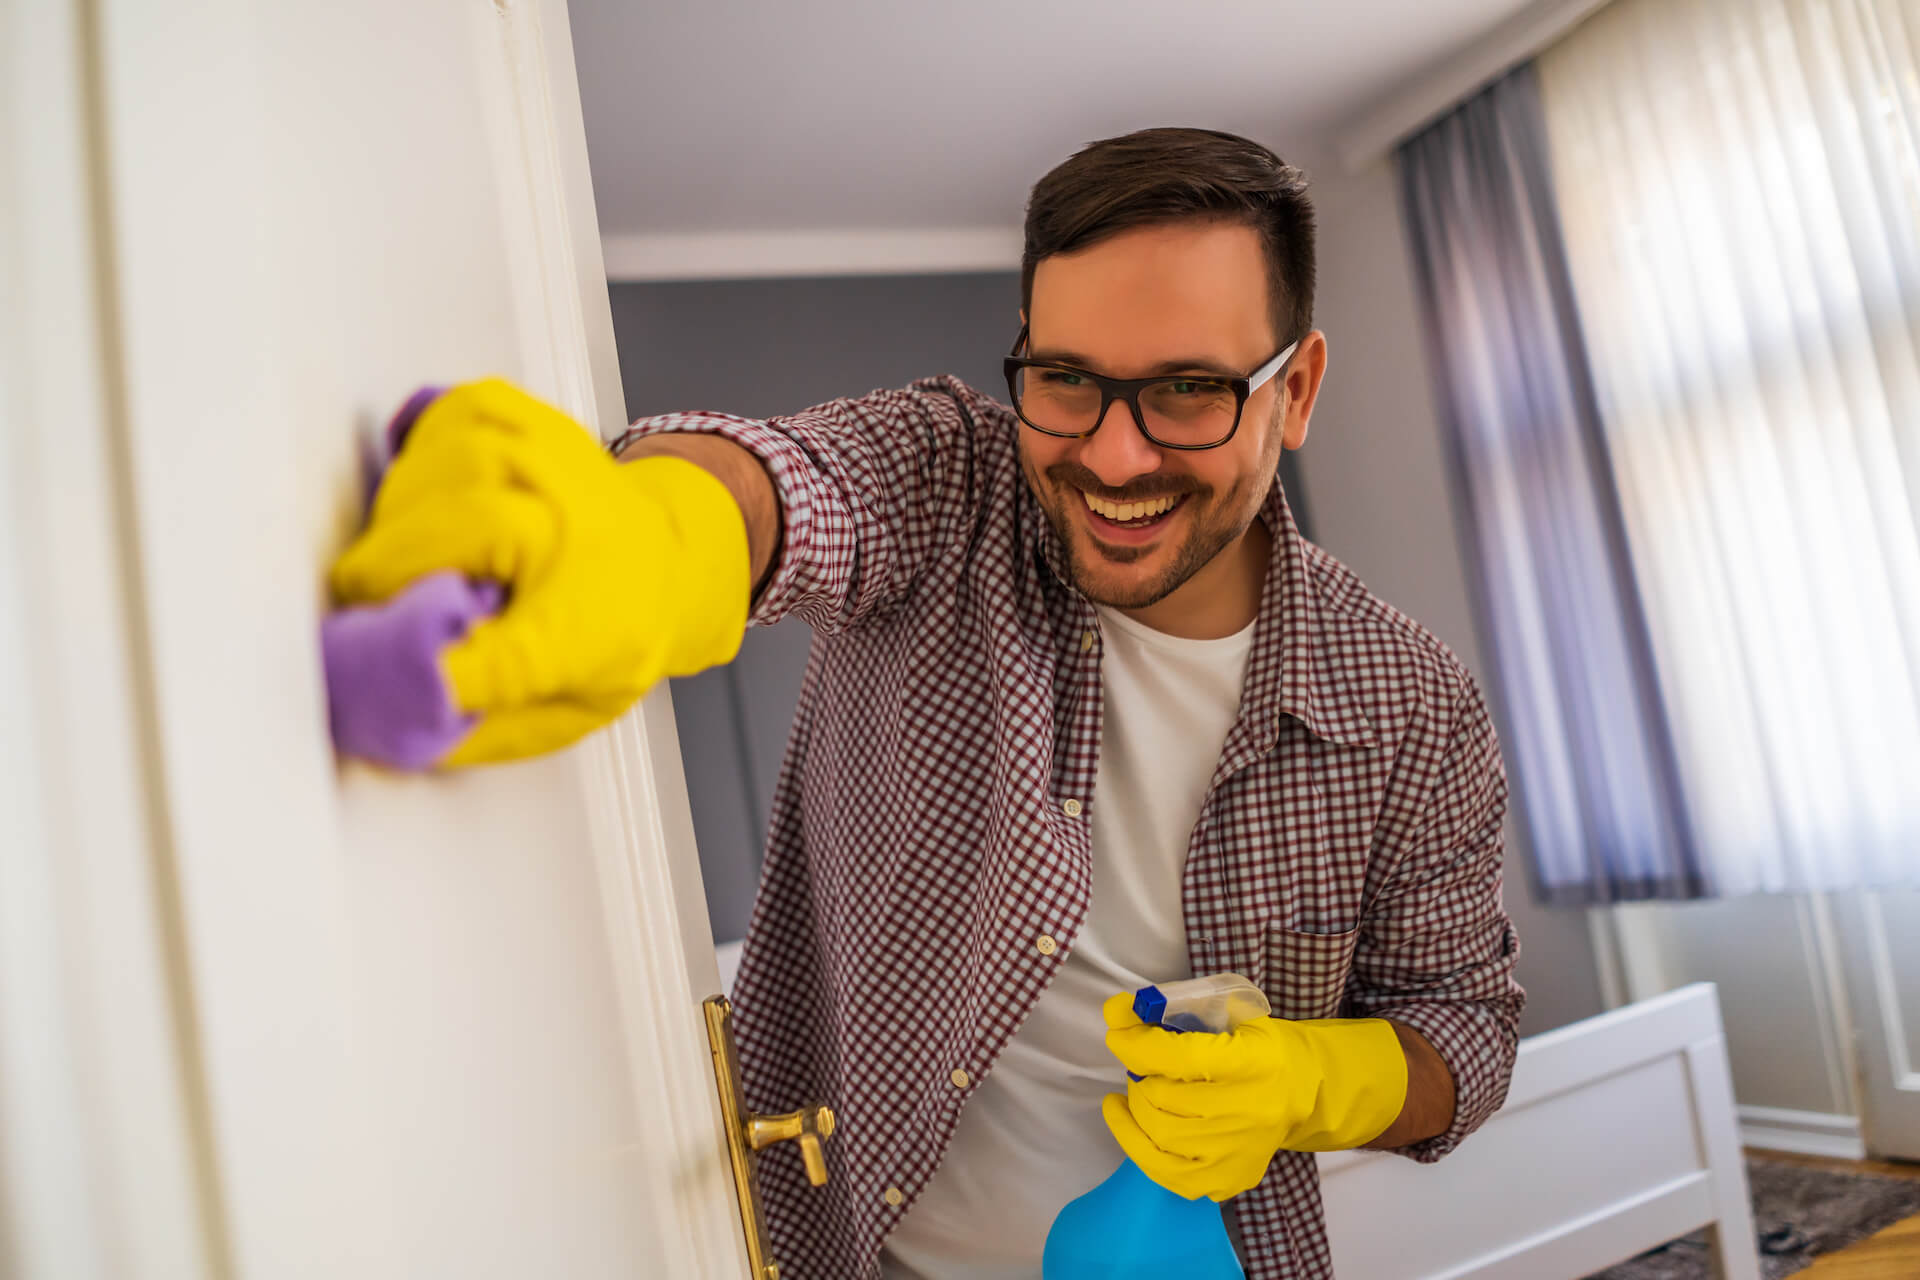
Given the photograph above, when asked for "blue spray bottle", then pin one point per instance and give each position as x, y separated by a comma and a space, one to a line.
1130, 1227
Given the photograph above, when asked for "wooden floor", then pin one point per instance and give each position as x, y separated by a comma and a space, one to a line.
1893, 1254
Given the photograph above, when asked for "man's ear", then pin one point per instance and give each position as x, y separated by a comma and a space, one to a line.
1023, 317
1303, 386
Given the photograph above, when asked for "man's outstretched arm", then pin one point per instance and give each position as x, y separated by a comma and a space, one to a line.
745, 477
845, 503
536, 587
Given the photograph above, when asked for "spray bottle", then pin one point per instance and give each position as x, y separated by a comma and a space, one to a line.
1130, 1227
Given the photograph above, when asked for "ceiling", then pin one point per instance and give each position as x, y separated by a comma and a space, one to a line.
801, 115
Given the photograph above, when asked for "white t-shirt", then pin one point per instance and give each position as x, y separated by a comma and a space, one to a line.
1031, 1137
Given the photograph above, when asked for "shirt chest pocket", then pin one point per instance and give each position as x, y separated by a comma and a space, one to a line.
1306, 973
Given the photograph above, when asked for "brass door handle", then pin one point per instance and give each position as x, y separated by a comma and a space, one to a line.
810, 1126
747, 1134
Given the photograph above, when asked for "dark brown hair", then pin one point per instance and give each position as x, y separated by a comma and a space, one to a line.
1170, 175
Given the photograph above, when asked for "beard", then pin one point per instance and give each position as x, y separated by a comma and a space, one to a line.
1214, 523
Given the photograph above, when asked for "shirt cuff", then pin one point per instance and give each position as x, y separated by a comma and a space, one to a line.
786, 463
1478, 1047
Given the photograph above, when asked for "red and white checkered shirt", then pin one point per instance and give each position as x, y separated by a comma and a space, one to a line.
928, 863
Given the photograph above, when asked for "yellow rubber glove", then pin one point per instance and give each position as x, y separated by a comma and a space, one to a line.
1210, 1111
618, 574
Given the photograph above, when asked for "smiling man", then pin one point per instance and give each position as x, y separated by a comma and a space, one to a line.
1084, 712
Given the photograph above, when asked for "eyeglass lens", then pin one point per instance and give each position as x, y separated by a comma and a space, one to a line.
1178, 411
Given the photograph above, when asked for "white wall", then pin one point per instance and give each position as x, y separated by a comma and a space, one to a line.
1377, 480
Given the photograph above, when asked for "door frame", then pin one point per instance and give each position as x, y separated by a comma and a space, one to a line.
635, 788
1887, 1072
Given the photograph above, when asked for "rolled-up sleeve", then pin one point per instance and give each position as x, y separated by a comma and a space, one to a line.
1437, 949
870, 488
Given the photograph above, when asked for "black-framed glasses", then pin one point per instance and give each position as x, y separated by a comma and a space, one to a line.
1174, 411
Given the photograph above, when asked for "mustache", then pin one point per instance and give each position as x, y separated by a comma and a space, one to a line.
1146, 489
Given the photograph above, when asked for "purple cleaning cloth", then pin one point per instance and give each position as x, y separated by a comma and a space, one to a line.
404, 419
377, 454
386, 697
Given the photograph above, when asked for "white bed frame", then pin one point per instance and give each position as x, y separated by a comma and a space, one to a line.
1619, 1133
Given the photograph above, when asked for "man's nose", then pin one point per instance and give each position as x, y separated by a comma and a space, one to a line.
1118, 452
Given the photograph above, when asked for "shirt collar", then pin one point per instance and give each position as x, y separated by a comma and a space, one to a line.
1292, 670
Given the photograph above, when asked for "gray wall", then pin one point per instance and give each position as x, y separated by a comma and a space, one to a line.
764, 347
1382, 504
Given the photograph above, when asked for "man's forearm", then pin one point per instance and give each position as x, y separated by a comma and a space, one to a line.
1428, 1111
744, 476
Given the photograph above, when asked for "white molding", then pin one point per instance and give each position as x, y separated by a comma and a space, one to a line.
107, 1164
1886, 984
1831, 999
1809, 1133
649, 878
1382, 127
633, 787
852, 251
538, 206
1603, 933
1640, 936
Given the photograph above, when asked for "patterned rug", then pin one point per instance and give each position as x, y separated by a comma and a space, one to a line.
1798, 1213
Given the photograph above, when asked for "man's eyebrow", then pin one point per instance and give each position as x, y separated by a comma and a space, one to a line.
1203, 364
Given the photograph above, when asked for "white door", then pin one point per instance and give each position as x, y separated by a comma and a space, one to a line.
1880, 945
261, 1014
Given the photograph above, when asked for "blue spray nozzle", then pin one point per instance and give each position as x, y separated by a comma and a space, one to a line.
1218, 1002
1150, 1006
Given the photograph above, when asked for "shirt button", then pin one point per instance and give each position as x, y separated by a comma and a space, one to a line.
1086, 641
895, 1197
1072, 807
1045, 945
960, 1078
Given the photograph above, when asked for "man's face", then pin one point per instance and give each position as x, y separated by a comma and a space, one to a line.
1130, 307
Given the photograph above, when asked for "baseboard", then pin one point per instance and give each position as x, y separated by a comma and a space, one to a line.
1807, 1133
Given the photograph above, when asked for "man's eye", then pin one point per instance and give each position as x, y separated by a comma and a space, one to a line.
1188, 388
1061, 378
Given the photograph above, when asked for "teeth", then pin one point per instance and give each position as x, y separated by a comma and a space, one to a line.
1124, 511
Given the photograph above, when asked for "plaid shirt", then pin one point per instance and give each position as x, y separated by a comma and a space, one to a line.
928, 863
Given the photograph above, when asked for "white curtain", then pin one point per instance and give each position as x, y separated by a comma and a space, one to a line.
1739, 186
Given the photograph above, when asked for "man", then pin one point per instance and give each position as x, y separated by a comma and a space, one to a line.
1084, 713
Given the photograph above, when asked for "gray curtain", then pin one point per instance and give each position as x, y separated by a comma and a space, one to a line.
1584, 730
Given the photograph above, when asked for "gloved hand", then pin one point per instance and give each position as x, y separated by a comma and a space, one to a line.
1210, 1111
616, 574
